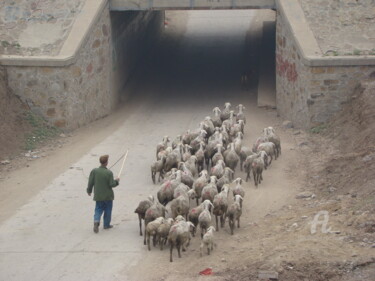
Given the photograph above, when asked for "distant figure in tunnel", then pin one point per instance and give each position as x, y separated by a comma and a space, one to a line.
102, 181
245, 79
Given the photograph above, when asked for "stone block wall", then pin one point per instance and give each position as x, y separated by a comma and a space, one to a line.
73, 95
310, 95
77, 94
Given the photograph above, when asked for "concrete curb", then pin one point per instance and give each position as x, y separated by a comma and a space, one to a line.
309, 49
91, 11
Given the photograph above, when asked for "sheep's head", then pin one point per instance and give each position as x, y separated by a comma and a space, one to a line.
227, 105
216, 110
213, 179
238, 181
211, 229
151, 198
179, 218
192, 194
238, 198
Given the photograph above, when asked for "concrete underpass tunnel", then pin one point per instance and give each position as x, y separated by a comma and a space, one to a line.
196, 54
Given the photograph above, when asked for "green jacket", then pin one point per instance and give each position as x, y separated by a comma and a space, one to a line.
101, 179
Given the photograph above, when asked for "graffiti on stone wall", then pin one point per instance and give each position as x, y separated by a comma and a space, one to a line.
286, 69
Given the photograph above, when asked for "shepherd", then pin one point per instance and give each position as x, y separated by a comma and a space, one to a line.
102, 181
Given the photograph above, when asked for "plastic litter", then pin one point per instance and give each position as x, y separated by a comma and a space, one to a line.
207, 271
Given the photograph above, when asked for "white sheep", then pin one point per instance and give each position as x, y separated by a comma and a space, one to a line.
179, 236
166, 190
195, 212
210, 190
220, 206
234, 213
218, 155
240, 115
231, 157
248, 165
199, 183
225, 179
269, 132
208, 241
224, 115
158, 167
163, 231
162, 145
151, 230
199, 154
218, 169
204, 219
238, 189
216, 120
238, 142
156, 210
270, 149
244, 153
141, 210
257, 166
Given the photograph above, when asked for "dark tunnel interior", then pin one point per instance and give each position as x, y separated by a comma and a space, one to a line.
204, 62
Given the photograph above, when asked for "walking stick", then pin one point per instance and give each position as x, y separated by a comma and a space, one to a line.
123, 162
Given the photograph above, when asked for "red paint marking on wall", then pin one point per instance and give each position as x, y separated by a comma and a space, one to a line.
286, 69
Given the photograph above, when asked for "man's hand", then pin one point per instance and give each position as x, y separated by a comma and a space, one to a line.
117, 179
89, 194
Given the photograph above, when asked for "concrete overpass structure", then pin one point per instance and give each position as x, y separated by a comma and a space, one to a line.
82, 82
126, 5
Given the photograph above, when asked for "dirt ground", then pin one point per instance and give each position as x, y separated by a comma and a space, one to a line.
330, 170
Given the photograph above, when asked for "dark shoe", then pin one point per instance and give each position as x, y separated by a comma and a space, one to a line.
96, 227
108, 227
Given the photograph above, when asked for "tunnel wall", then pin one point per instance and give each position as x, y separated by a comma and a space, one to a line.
77, 94
133, 35
310, 91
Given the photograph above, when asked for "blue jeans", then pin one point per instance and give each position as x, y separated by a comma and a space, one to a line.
106, 207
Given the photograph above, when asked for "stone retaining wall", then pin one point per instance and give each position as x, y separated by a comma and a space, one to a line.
88, 89
310, 95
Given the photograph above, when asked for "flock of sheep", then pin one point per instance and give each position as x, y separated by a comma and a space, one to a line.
200, 165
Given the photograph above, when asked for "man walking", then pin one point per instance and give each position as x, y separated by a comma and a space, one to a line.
101, 179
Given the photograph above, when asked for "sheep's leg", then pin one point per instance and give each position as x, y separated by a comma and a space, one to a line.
178, 246
208, 250
217, 224
231, 225
140, 224
144, 241
222, 221
241, 163
153, 176
201, 249
171, 250
247, 176
148, 242
161, 242
255, 178
154, 240
238, 222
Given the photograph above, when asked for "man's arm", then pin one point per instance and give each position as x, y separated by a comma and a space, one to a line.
90, 184
113, 182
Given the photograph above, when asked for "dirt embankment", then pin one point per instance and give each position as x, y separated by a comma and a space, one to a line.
340, 179
13, 125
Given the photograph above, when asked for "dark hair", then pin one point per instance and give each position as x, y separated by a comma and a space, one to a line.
103, 159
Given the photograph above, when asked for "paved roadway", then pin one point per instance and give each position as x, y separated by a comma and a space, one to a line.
50, 237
